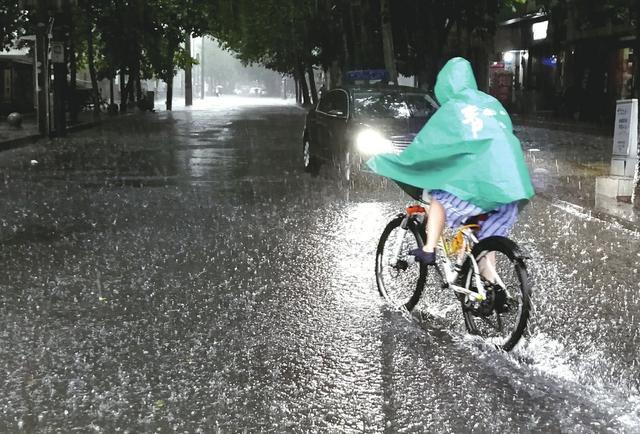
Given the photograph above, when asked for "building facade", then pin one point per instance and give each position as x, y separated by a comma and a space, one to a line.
16, 83
563, 66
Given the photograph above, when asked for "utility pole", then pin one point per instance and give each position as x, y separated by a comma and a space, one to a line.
41, 65
387, 41
188, 81
45, 21
202, 68
58, 58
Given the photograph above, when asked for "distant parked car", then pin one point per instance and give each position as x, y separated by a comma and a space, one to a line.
352, 123
257, 91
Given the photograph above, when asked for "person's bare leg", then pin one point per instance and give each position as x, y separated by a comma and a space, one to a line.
435, 225
487, 267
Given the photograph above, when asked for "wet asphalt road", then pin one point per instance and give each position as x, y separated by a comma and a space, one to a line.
180, 273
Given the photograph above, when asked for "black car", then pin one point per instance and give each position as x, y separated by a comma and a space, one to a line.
352, 123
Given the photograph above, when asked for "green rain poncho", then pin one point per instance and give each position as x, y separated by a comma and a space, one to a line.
467, 148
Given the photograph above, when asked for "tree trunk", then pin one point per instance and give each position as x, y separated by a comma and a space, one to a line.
202, 70
92, 69
366, 44
73, 81
312, 84
636, 94
387, 41
131, 87
188, 77
123, 91
127, 92
138, 86
112, 98
345, 44
636, 53
304, 89
437, 36
169, 101
335, 75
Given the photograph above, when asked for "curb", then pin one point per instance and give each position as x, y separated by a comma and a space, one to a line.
590, 213
584, 128
30, 139
20, 141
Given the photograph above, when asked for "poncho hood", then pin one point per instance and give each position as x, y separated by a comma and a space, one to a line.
467, 148
453, 79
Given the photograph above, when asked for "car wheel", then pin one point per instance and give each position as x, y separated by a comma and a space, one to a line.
349, 169
308, 161
346, 167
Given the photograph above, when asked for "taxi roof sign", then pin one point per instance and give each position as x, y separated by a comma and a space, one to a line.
368, 75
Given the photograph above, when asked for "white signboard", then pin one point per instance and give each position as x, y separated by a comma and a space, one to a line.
625, 136
57, 52
7, 85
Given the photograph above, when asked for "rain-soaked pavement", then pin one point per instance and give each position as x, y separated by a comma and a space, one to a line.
180, 273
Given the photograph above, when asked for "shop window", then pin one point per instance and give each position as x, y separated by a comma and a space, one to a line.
626, 68
6, 84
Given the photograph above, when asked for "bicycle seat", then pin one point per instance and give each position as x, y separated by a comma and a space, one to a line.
478, 219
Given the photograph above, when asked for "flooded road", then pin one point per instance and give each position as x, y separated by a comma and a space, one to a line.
178, 272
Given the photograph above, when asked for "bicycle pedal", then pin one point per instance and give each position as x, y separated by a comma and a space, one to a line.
401, 265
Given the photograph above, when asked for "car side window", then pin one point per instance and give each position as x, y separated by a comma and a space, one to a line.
340, 103
336, 103
325, 104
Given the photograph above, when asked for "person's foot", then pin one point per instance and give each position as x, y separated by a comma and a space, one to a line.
425, 258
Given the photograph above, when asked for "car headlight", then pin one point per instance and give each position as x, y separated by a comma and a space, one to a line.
371, 142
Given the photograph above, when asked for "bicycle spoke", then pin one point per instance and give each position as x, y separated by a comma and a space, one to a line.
487, 321
499, 322
503, 315
397, 276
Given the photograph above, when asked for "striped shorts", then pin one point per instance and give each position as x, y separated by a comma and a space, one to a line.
458, 211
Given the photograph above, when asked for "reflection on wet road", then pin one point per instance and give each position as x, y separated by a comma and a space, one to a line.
181, 273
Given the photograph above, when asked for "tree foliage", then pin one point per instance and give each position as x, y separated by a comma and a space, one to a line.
14, 22
145, 38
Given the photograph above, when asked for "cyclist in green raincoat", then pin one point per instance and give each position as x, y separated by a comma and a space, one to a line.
465, 159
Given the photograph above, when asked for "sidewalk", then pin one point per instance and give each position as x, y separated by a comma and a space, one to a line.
11, 137
27, 133
565, 158
554, 123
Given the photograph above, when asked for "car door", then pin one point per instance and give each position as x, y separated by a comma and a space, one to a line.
313, 127
322, 119
337, 122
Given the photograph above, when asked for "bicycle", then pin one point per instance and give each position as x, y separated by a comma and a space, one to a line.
489, 277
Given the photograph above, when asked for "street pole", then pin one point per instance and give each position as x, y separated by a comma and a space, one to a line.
387, 41
188, 81
202, 68
42, 70
59, 81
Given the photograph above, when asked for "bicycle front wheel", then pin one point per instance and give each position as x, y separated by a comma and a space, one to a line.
502, 318
399, 278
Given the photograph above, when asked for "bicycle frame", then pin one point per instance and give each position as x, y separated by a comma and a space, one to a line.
466, 265
451, 269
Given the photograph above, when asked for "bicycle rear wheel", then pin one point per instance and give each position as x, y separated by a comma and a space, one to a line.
502, 318
399, 278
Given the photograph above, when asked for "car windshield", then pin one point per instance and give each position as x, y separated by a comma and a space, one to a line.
397, 105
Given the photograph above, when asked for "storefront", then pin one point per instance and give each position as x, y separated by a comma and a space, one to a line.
16, 84
575, 71
524, 51
624, 76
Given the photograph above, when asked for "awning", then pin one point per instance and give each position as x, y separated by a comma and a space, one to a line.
13, 58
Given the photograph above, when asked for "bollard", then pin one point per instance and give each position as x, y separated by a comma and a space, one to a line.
619, 185
15, 119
